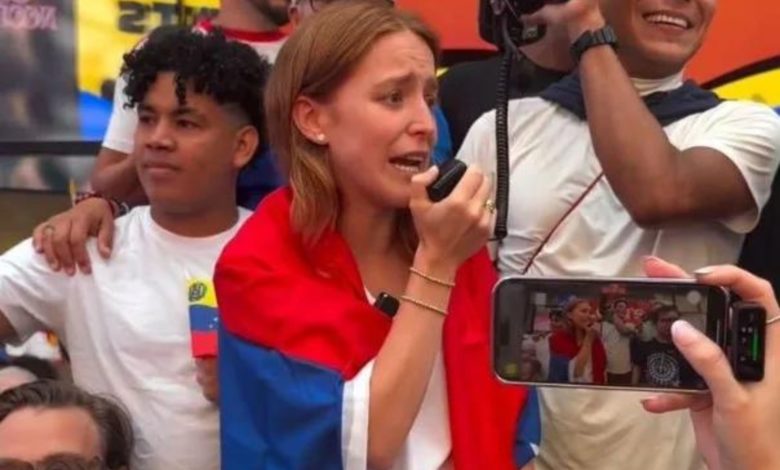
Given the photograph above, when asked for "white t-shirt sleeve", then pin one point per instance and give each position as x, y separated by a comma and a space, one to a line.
123, 121
354, 420
748, 134
32, 296
479, 145
479, 148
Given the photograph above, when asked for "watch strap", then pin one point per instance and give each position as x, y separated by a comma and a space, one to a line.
588, 39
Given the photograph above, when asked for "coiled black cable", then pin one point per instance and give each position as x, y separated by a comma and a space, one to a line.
502, 137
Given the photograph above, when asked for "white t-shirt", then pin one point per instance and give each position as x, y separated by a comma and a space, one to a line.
618, 348
121, 126
126, 327
428, 446
552, 162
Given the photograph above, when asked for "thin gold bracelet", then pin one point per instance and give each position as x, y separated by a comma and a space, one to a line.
432, 279
424, 305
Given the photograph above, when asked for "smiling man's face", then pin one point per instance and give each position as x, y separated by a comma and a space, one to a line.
658, 37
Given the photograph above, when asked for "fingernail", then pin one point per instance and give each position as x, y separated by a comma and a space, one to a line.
705, 271
650, 258
684, 332
55, 266
647, 400
70, 271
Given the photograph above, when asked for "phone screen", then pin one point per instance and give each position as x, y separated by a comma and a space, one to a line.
601, 333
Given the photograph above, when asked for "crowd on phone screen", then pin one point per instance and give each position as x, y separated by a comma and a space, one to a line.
627, 345
257, 191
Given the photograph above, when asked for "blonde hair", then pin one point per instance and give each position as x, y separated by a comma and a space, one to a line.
314, 62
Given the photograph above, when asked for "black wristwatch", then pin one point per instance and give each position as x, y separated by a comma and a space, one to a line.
588, 39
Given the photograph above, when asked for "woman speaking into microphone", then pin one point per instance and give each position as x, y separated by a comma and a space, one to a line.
312, 374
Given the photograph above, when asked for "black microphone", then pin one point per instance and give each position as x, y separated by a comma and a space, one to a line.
387, 304
449, 174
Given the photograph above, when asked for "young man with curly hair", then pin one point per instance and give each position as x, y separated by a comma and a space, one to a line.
255, 23
127, 328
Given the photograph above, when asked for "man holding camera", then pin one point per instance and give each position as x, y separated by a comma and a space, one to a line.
620, 161
462, 92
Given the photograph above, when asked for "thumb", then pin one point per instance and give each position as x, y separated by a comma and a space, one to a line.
421, 181
656, 267
105, 236
708, 360
426, 177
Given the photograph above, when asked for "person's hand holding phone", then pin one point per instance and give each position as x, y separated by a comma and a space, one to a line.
737, 425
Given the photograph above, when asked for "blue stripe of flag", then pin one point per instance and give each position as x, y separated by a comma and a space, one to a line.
277, 412
203, 318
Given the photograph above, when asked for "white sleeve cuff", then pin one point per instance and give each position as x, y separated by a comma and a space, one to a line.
24, 324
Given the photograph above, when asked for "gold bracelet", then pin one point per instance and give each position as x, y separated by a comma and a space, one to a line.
424, 305
432, 279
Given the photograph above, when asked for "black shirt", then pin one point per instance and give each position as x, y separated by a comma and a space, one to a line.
661, 364
761, 252
468, 90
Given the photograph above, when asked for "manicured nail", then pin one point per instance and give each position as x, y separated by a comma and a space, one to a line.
650, 258
705, 271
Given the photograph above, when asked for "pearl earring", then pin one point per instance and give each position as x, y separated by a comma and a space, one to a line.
320, 138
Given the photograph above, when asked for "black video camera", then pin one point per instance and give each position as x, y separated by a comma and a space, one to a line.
493, 12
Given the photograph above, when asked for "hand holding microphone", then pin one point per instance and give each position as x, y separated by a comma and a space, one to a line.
452, 212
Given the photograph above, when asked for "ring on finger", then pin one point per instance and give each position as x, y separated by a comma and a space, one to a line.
48, 228
490, 206
773, 319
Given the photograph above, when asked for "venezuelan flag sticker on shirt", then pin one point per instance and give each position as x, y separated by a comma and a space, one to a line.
204, 318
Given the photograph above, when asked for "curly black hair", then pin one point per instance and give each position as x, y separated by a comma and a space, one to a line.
230, 72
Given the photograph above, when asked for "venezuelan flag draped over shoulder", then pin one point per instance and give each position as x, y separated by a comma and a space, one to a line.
296, 327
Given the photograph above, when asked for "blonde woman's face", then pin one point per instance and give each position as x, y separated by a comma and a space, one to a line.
379, 125
583, 315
